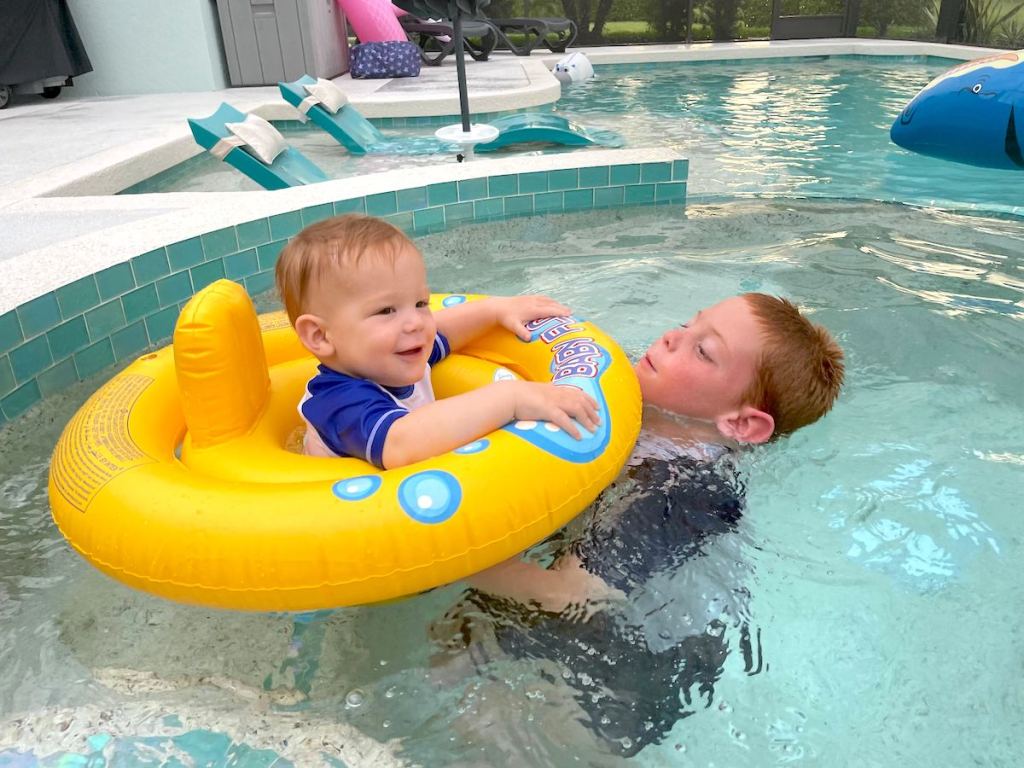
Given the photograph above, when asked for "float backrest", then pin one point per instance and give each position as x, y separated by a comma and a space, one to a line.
221, 365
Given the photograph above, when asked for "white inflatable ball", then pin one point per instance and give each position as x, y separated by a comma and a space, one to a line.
573, 68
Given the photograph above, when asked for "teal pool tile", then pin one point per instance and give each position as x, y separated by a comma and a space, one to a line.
94, 359
517, 205
533, 182
652, 173
30, 358
680, 170
20, 400
268, 254
187, 253
500, 186
253, 233
7, 383
149, 266
140, 302
491, 208
442, 194
316, 213
625, 174
174, 288
428, 220
565, 179
472, 189
57, 378
218, 244
608, 197
241, 265
128, 342
115, 281
67, 338
10, 331
259, 283
579, 199
207, 273
548, 202
355, 205
639, 193
401, 220
77, 297
594, 177
383, 204
458, 212
284, 225
671, 191
411, 199
39, 315
160, 325
105, 319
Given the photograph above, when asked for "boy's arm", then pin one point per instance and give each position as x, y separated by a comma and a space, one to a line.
446, 424
553, 589
463, 323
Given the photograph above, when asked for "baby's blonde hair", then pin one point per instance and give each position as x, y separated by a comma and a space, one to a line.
326, 249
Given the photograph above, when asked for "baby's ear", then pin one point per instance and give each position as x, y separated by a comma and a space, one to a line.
747, 425
310, 330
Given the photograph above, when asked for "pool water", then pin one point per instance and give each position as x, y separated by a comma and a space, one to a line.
816, 127
866, 602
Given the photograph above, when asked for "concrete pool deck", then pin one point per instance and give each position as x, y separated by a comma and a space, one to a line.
64, 159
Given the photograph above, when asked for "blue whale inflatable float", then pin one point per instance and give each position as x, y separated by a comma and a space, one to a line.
968, 114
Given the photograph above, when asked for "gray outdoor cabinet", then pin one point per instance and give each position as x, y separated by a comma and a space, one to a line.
267, 41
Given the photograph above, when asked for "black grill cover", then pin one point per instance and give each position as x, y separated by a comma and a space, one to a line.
38, 39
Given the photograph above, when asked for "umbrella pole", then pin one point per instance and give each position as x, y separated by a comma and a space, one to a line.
460, 69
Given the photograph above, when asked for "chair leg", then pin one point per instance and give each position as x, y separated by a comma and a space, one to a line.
435, 60
562, 40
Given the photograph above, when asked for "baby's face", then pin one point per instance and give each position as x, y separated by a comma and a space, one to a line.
703, 368
378, 319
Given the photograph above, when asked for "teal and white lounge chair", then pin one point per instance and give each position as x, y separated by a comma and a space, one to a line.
359, 136
537, 127
290, 168
348, 127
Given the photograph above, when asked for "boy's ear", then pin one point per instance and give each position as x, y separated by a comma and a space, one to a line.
310, 330
747, 425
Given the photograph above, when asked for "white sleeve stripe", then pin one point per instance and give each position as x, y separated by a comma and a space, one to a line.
373, 432
442, 343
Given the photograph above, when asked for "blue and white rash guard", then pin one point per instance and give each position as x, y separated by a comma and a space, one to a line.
347, 416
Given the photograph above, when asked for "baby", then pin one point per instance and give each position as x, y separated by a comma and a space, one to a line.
355, 290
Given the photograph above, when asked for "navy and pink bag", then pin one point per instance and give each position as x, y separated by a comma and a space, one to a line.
395, 58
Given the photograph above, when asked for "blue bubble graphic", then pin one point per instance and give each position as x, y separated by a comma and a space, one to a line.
356, 488
431, 496
451, 301
475, 447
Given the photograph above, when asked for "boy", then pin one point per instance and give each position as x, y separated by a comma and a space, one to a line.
355, 289
616, 606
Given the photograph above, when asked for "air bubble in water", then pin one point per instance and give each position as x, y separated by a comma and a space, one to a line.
355, 698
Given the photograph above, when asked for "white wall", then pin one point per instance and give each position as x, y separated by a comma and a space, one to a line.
149, 46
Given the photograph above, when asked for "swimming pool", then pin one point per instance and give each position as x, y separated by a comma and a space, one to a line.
795, 127
869, 580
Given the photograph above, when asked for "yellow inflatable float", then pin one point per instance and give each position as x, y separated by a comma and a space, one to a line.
176, 477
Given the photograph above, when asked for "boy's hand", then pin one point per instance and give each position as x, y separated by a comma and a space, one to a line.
557, 404
513, 312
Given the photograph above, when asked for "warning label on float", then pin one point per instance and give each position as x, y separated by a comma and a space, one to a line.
274, 320
96, 446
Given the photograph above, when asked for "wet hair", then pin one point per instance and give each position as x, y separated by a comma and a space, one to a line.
801, 368
324, 250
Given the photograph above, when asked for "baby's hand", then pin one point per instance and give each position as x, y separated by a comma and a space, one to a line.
557, 404
513, 312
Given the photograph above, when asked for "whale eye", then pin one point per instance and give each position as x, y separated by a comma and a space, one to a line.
976, 88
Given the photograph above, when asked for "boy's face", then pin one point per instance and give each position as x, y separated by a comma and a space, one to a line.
376, 319
703, 368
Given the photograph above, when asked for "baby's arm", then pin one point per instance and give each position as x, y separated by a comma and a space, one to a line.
463, 323
446, 424
553, 589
